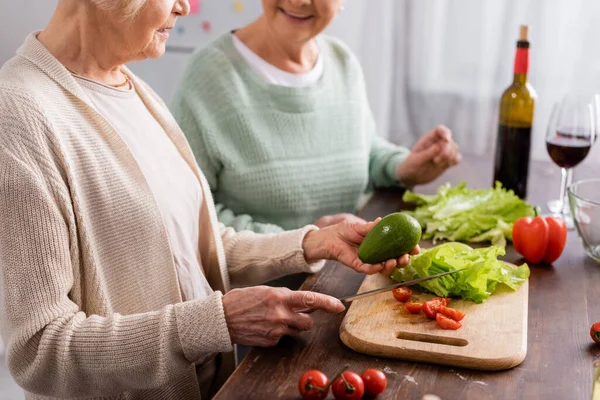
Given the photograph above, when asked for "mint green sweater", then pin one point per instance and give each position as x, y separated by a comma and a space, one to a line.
278, 157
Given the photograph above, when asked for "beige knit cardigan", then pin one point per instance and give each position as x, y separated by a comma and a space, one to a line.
89, 300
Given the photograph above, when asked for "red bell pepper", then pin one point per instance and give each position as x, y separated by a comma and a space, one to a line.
539, 239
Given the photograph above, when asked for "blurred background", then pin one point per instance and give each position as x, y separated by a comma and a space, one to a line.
426, 62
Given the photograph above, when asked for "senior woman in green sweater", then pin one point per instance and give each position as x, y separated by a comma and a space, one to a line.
278, 119
115, 275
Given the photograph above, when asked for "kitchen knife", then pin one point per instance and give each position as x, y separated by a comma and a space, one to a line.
357, 296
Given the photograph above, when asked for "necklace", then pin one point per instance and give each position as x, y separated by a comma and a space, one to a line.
116, 86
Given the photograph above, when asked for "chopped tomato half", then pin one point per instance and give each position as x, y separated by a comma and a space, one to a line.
432, 307
414, 307
452, 313
402, 293
445, 300
447, 323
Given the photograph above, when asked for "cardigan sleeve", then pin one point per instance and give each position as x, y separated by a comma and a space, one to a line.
254, 258
53, 347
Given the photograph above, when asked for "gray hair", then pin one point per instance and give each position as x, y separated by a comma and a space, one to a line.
128, 7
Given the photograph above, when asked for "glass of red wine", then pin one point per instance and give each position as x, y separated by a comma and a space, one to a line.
571, 132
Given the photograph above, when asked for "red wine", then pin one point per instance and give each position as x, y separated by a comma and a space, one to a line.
567, 150
511, 166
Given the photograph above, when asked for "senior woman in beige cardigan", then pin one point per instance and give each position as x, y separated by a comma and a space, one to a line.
115, 275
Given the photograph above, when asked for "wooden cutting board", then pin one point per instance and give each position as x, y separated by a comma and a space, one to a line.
493, 335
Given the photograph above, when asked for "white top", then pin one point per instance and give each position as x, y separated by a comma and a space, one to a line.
171, 181
277, 76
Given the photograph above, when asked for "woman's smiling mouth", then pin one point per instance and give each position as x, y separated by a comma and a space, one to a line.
296, 17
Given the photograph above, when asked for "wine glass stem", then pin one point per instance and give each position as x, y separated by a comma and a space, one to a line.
566, 177
566, 209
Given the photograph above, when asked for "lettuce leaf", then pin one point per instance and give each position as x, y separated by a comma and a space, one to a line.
468, 215
477, 282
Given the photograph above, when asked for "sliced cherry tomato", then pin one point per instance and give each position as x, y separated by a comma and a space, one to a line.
414, 307
557, 238
349, 386
312, 385
530, 238
375, 381
445, 300
447, 323
595, 332
432, 307
452, 313
402, 293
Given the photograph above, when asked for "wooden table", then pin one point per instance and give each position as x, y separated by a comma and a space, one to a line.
564, 301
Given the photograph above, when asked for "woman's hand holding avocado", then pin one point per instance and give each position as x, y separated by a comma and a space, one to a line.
341, 242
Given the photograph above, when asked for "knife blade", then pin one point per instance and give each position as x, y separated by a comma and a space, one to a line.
352, 297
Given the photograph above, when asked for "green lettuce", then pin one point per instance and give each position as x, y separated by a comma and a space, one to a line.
477, 282
468, 215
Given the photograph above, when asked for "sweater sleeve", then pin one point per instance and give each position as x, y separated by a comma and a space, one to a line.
53, 347
206, 154
254, 258
384, 159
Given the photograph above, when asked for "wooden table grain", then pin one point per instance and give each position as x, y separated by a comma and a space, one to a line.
564, 300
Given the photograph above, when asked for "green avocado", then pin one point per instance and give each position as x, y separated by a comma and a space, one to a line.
396, 234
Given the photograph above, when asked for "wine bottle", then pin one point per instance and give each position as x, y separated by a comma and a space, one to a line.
513, 143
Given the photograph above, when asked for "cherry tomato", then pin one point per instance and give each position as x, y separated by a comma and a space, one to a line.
402, 293
349, 386
595, 332
312, 385
432, 307
530, 238
557, 238
445, 300
414, 307
374, 380
451, 313
447, 323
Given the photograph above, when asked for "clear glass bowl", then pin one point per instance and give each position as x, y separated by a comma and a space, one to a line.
584, 199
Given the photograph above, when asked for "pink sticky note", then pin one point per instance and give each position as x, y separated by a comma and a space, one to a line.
194, 6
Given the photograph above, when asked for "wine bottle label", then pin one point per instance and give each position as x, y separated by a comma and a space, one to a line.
522, 61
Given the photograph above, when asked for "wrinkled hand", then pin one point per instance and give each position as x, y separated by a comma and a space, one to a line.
429, 158
341, 241
328, 220
261, 315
